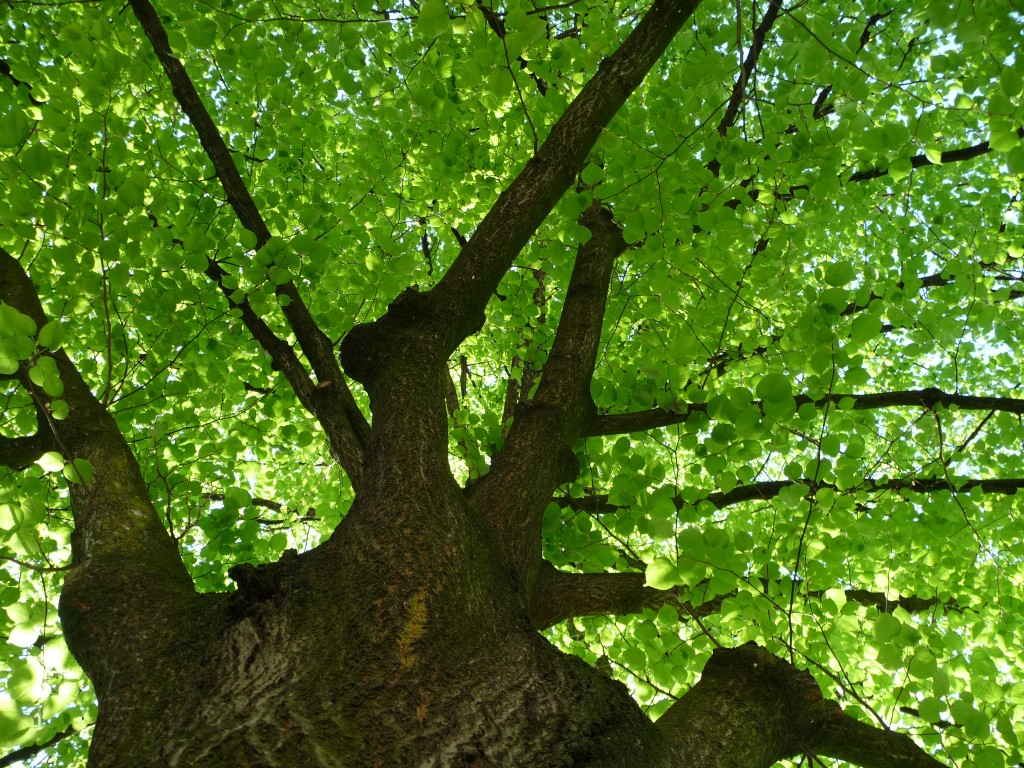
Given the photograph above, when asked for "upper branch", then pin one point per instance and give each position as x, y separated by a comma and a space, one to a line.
641, 421
330, 401
739, 89
213, 144
537, 455
464, 290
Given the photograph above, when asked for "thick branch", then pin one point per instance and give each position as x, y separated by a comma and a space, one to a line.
642, 421
465, 289
567, 595
330, 401
19, 452
113, 514
128, 583
537, 456
848, 739
773, 711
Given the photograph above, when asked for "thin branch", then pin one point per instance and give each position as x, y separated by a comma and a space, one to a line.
25, 753
642, 421
37, 568
325, 401
498, 27
739, 89
958, 155
922, 161
331, 401
598, 503
185, 93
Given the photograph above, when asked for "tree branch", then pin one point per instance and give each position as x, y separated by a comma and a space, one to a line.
209, 136
922, 161
642, 421
24, 753
463, 292
598, 503
498, 27
846, 738
103, 523
745, 685
537, 456
719, 361
330, 401
739, 89
19, 452
333, 406
127, 585
566, 595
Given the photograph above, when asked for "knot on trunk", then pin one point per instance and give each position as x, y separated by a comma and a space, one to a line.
411, 322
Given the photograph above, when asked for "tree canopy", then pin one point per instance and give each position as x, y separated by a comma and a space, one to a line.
719, 329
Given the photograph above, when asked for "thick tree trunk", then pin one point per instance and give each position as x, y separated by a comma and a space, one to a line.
311, 663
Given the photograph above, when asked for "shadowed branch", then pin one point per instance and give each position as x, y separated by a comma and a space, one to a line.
642, 421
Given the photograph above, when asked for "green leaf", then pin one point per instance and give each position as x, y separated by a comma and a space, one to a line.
79, 471
592, 174
14, 129
51, 461
8, 363
931, 709
14, 323
887, 627
840, 273
247, 239
662, 574
51, 335
774, 386
433, 19
900, 169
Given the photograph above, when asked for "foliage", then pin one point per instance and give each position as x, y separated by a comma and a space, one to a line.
845, 227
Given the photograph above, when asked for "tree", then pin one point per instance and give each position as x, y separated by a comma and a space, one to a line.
506, 384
